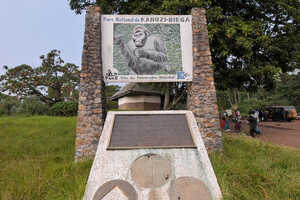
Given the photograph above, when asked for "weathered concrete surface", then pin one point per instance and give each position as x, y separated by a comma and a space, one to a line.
116, 190
202, 99
91, 108
185, 162
189, 188
151, 171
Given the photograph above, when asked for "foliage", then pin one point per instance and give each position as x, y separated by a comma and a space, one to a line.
8, 104
253, 103
68, 108
37, 162
178, 96
33, 106
52, 82
174, 93
232, 98
110, 90
251, 40
285, 93
245, 40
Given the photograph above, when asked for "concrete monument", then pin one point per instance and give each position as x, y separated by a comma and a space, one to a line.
165, 160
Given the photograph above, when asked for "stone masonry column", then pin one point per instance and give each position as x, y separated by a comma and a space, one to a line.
91, 106
202, 99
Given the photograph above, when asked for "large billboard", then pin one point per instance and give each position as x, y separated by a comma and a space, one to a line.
147, 48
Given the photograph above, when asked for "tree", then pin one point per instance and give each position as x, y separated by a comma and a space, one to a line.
52, 82
110, 90
251, 40
174, 93
287, 91
32, 105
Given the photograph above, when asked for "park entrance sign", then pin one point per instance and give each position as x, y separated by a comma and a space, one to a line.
148, 155
147, 48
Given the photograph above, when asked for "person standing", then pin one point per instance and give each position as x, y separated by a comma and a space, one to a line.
238, 114
237, 125
222, 122
256, 115
226, 127
226, 118
252, 123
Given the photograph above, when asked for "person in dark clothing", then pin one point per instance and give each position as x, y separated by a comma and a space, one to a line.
252, 123
261, 116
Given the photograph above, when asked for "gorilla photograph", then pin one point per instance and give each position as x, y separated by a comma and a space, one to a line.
147, 49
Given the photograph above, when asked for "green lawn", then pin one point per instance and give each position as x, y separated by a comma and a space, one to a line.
36, 162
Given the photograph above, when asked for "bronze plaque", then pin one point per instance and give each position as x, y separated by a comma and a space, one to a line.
150, 131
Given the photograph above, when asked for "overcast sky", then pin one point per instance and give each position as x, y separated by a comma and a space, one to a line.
30, 28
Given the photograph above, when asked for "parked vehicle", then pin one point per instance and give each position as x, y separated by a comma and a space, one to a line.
282, 113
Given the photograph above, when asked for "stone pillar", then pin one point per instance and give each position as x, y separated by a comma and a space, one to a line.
91, 108
202, 100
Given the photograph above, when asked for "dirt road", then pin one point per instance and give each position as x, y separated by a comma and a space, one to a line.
282, 133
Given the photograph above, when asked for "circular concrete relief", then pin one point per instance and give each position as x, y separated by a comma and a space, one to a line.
151, 171
125, 187
189, 188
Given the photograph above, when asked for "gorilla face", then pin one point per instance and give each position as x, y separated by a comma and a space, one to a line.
139, 38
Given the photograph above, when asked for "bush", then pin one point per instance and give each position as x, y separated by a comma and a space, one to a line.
8, 105
2, 111
252, 103
33, 106
68, 108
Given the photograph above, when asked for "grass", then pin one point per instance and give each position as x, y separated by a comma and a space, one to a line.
252, 169
36, 159
36, 163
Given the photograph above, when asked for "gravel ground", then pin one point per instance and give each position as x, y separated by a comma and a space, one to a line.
282, 133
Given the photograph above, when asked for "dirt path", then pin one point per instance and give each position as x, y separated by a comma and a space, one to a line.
282, 133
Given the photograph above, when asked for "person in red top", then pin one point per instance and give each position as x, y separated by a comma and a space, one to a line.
222, 123
237, 125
